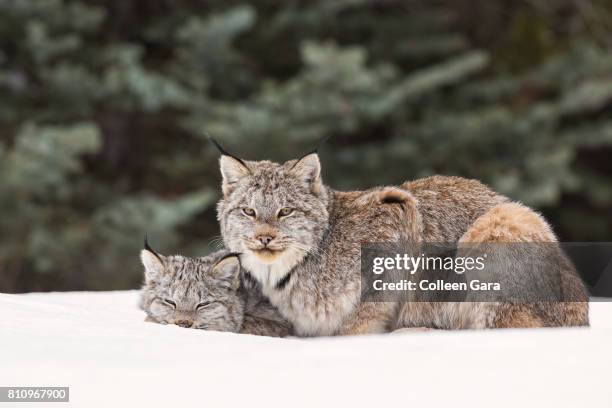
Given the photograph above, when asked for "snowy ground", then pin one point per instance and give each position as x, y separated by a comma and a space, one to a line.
98, 344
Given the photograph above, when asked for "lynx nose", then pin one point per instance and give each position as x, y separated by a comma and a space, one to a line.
183, 323
265, 239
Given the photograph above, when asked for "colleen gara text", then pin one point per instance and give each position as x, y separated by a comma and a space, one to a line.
437, 285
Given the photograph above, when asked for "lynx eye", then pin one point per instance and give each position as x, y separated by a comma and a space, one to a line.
249, 212
285, 211
203, 305
170, 302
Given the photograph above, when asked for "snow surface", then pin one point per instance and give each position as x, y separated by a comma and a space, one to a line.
98, 344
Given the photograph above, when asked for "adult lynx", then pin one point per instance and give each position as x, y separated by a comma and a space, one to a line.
301, 240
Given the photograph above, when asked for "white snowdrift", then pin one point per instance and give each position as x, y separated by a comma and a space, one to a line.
98, 344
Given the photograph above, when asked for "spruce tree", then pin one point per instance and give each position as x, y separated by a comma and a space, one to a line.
106, 107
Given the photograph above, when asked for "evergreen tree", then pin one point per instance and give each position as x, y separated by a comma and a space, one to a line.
106, 107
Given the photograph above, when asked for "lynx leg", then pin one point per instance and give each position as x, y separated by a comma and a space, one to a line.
513, 222
572, 313
371, 317
509, 222
264, 327
542, 314
516, 316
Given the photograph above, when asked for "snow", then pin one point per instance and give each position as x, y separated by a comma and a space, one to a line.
98, 344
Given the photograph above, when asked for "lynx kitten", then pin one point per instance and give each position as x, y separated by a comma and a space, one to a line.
206, 293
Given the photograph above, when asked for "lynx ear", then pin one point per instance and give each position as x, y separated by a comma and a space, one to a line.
232, 170
308, 169
152, 262
228, 270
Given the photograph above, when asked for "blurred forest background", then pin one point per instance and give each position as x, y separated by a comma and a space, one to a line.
105, 107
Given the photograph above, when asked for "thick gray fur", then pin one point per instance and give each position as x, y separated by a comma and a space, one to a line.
228, 301
301, 241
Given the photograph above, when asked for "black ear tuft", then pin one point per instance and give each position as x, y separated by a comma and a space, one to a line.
321, 143
147, 247
218, 146
225, 152
313, 151
146, 244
